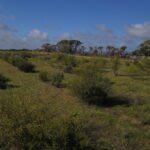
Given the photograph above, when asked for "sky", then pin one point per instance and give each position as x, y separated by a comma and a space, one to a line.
30, 23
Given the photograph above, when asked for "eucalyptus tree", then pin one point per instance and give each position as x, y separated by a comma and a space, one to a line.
143, 49
68, 46
100, 49
122, 50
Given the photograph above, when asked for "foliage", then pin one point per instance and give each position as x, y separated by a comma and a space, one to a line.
23, 64
144, 65
143, 49
115, 64
3, 81
70, 63
37, 116
43, 75
68, 46
25, 127
57, 78
20, 61
91, 87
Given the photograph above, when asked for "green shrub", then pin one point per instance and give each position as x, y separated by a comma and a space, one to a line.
127, 63
60, 56
3, 82
71, 60
20, 61
115, 64
43, 75
25, 54
144, 65
23, 64
70, 63
6, 56
68, 68
91, 87
57, 78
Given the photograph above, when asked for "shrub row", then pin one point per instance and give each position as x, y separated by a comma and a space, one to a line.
21, 62
69, 61
3, 81
55, 79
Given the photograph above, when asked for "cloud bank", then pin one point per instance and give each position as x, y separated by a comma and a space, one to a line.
134, 34
8, 39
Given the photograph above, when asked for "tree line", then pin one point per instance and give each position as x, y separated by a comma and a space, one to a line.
77, 47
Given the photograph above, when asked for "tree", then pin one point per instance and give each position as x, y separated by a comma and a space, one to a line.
143, 49
68, 46
75, 44
110, 50
122, 50
100, 49
81, 49
46, 47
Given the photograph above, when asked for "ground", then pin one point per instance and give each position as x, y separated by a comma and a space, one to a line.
123, 126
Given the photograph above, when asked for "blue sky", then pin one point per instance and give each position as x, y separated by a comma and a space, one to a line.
29, 23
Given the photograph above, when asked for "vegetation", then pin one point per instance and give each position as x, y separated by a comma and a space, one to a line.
143, 49
115, 64
3, 82
20, 61
92, 87
43, 75
93, 111
57, 78
23, 64
70, 63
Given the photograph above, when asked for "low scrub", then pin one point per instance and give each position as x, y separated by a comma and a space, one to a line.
3, 82
26, 127
43, 75
20, 61
91, 87
70, 64
57, 79
23, 64
144, 65
115, 64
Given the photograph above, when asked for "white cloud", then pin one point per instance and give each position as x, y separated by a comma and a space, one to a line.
139, 30
9, 40
103, 28
5, 28
65, 36
134, 35
37, 35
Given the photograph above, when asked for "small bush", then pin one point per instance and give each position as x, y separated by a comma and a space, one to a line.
44, 76
60, 57
144, 65
3, 82
68, 68
91, 87
115, 64
26, 55
70, 62
57, 78
20, 61
127, 63
23, 64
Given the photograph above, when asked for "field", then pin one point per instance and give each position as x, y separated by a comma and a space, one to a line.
38, 115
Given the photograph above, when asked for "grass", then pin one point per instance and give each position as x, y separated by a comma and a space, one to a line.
116, 127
